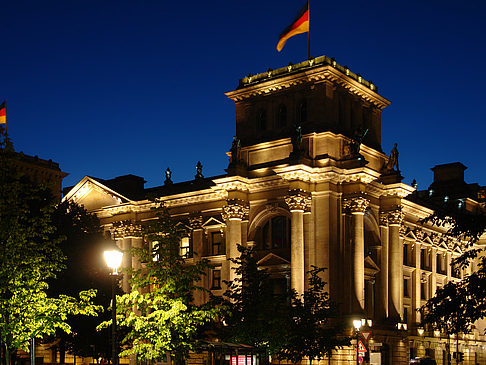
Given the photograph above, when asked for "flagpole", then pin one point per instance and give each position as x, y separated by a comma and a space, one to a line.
308, 33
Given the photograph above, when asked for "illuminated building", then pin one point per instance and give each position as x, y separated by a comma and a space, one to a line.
308, 184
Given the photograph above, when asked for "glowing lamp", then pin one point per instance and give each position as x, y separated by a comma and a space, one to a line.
357, 324
113, 259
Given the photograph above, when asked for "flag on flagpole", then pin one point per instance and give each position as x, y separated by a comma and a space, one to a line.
298, 26
3, 112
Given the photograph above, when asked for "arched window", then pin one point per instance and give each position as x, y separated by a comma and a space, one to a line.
276, 233
302, 112
282, 116
262, 120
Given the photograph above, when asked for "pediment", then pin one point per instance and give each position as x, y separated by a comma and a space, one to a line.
211, 222
273, 260
93, 195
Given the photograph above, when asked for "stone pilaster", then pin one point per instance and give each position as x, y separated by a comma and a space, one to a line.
395, 218
233, 214
382, 280
297, 202
357, 207
125, 232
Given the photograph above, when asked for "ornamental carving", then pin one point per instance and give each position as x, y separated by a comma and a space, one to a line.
125, 229
195, 222
395, 217
298, 200
235, 209
383, 219
357, 205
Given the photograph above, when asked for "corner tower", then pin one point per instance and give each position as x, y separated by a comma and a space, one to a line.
318, 94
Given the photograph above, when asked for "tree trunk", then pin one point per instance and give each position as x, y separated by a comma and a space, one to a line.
7, 355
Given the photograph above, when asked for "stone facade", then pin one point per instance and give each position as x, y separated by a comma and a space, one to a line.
308, 184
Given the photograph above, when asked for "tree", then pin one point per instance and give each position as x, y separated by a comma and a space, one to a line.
159, 315
83, 249
29, 255
456, 306
254, 315
315, 329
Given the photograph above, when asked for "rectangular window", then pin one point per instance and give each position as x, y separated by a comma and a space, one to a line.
405, 288
423, 291
185, 247
405, 255
405, 314
216, 279
217, 247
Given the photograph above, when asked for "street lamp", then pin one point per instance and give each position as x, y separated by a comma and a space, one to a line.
113, 260
357, 325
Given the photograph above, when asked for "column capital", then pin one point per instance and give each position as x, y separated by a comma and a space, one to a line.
195, 221
235, 210
126, 229
356, 205
298, 200
383, 219
395, 217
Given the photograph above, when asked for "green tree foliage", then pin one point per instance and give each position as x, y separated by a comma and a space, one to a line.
30, 255
456, 306
159, 315
315, 330
254, 315
85, 268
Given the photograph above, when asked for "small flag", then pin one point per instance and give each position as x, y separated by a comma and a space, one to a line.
298, 26
3, 112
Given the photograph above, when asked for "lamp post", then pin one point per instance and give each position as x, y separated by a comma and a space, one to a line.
357, 326
113, 260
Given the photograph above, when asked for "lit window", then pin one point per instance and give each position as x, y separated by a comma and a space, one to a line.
185, 247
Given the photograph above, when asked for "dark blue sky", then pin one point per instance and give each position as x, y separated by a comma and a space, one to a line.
107, 88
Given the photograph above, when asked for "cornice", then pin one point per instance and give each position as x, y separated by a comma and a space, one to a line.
312, 75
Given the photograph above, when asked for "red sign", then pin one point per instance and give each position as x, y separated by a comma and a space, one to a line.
366, 334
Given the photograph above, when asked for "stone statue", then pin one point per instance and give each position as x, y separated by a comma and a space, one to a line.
168, 176
393, 160
199, 174
357, 138
297, 139
235, 150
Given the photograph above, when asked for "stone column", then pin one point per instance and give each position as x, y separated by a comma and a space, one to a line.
416, 282
382, 280
433, 276
125, 232
233, 214
357, 207
297, 201
197, 236
395, 218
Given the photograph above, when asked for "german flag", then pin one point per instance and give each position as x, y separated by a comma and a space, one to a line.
298, 26
3, 112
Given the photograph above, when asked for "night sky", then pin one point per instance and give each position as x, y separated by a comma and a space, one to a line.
108, 88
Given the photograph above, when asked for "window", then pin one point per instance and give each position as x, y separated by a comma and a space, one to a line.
216, 279
302, 112
262, 120
405, 314
276, 233
423, 291
185, 247
217, 247
406, 293
405, 255
282, 116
